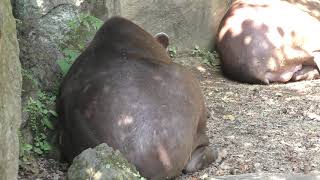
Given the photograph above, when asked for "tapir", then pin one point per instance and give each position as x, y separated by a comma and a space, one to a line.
265, 41
125, 91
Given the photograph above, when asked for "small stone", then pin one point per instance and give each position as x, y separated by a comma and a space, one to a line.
234, 171
306, 168
228, 117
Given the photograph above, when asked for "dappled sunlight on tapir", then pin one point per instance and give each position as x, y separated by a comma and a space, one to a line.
264, 41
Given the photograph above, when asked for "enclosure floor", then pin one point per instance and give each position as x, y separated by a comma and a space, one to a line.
264, 128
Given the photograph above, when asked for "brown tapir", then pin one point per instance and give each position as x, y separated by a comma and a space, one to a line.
124, 90
264, 41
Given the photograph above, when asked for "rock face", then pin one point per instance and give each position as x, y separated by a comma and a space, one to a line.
186, 22
102, 163
42, 28
39, 43
43, 25
10, 93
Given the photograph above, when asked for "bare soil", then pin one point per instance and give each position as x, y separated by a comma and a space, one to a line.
264, 128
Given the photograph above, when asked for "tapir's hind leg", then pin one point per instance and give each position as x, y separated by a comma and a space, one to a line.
310, 69
306, 73
203, 155
163, 39
282, 75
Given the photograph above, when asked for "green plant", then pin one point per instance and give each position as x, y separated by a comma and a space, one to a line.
172, 52
87, 20
206, 56
40, 116
29, 76
25, 149
69, 57
82, 30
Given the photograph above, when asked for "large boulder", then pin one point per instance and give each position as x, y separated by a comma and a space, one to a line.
39, 43
43, 27
187, 23
102, 163
10, 93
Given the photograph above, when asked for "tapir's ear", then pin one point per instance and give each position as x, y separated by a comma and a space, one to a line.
163, 39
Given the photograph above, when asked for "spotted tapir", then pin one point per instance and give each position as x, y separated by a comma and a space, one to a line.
264, 41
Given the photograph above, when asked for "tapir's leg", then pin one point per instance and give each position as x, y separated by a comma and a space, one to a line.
310, 69
306, 73
283, 75
203, 155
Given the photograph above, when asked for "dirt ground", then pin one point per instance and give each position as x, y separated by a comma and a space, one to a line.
264, 128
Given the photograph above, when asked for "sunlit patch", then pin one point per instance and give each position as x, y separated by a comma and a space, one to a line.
313, 116
97, 176
272, 64
247, 40
233, 22
277, 178
78, 2
303, 88
40, 3
246, 145
201, 69
291, 53
316, 13
279, 57
125, 120
164, 157
275, 38
90, 172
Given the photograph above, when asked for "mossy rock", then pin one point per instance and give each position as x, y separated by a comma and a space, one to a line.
102, 163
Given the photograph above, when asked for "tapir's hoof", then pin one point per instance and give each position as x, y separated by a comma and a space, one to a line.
203, 157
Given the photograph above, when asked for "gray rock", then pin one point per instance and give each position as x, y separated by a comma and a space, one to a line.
10, 93
102, 8
39, 43
36, 9
187, 23
102, 163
